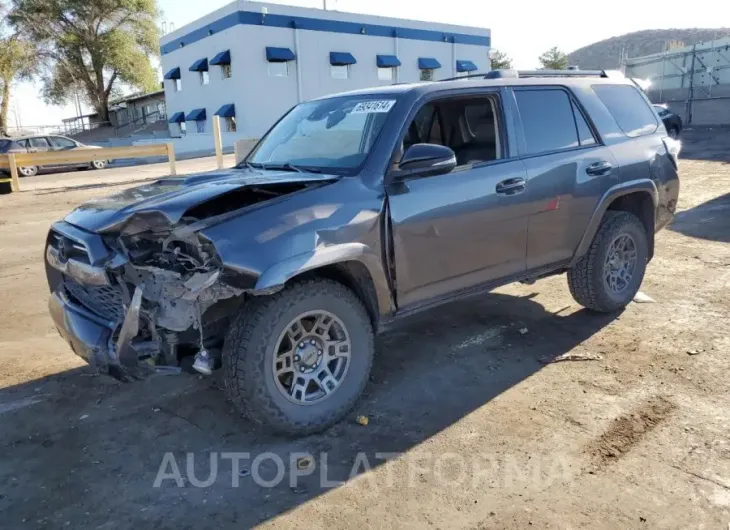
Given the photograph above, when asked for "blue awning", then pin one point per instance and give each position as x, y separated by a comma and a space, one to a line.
385, 61
178, 117
195, 115
226, 111
223, 57
201, 65
465, 66
428, 63
341, 58
173, 74
279, 55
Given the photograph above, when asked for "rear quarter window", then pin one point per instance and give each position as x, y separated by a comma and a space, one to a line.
629, 108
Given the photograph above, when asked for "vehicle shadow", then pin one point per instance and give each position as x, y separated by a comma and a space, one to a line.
709, 220
89, 449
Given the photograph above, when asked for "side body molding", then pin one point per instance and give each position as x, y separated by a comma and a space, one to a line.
642, 185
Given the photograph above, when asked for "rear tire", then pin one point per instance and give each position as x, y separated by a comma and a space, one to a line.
606, 279
261, 336
98, 164
673, 132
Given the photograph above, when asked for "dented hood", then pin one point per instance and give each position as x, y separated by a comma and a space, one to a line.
167, 200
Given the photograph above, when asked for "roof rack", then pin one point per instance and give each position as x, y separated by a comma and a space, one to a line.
514, 74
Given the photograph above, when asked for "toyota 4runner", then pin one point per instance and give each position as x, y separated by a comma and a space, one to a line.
354, 211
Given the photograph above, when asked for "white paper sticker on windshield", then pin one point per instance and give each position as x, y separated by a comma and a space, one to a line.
376, 105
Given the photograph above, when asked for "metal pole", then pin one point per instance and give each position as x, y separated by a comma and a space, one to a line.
298, 64
395, 46
453, 58
664, 65
690, 99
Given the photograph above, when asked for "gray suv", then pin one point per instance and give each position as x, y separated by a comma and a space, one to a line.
355, 211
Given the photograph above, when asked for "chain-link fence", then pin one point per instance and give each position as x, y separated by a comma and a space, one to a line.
694, 81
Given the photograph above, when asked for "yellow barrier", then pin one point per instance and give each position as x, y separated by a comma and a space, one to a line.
77, 156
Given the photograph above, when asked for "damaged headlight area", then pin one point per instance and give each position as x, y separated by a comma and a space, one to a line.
162, 291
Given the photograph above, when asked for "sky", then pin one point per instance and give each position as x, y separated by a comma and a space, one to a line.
522, 29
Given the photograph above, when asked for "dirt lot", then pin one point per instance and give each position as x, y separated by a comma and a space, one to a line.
485, 435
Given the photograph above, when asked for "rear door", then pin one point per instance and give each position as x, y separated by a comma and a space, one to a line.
60, 143
568, 170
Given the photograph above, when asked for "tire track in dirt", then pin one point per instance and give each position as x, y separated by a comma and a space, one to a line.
627, 430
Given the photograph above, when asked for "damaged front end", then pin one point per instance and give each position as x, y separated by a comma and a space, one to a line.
133, 278
154, 294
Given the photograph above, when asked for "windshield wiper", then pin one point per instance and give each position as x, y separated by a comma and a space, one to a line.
249, 165
290, 167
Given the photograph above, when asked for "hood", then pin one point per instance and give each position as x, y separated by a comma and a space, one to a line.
167, 200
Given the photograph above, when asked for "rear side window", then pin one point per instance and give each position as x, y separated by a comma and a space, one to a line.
4, 146
60, 141
39, 142
547, 120
629, 109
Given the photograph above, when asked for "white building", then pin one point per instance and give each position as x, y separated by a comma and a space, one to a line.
250, 62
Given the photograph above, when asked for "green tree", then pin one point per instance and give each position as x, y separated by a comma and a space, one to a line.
17, 61
500, 61
554, 59
90, 46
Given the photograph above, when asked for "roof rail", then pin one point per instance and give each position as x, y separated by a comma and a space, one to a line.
470, 76
504, 74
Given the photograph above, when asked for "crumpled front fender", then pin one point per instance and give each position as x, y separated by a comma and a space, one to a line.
274, 277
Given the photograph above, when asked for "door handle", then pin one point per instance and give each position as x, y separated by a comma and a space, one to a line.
512, 186
599, 169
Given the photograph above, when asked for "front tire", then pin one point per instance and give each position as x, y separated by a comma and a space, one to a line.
98, 164
298, 360
28, 171
609, 275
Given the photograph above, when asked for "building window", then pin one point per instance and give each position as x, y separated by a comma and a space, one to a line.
230, 123
204, 77
279, 68
178, 85
183, 128
340, 71
427, 74
226, 71
200, 126
386, 73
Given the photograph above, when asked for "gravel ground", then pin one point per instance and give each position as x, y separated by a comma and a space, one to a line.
469, 425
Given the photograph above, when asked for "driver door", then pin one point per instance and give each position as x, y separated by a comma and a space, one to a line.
467, 228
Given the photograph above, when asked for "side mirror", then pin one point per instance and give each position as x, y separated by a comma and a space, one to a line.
427, 159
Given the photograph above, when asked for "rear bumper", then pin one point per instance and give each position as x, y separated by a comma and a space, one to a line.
88, 334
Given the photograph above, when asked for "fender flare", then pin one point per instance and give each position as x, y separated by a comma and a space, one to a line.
276, 275
641, 185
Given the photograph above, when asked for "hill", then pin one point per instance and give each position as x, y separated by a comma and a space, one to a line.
606, 54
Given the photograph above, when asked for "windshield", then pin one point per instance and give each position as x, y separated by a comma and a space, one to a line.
326, 135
